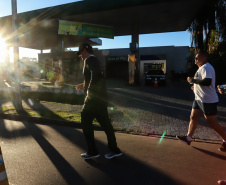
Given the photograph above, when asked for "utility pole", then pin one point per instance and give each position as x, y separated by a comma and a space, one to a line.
17, 96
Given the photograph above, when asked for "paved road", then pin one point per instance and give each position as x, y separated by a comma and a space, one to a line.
50, 155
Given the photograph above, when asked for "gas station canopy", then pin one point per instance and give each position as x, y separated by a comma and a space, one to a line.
38, 29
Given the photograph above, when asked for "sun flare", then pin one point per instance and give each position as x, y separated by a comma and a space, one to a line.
3, 50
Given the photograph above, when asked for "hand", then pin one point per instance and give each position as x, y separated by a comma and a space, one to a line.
220, 90
192, 87
189, 79
79, 87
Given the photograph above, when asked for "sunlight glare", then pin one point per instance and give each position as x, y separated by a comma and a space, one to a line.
162, 137
3, 50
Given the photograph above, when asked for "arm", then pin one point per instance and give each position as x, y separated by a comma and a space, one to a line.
204, 82
220, 90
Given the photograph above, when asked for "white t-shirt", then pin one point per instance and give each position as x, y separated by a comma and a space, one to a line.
206, 94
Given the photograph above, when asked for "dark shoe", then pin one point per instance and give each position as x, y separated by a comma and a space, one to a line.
184, 139
112, 155
222, 182
223, 147
89, 156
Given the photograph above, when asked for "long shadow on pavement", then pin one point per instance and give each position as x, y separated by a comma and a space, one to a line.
13, 133
122, 171
210, 153
42, 110
128, 171
70, 175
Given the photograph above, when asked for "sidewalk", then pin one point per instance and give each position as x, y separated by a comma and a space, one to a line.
144, 110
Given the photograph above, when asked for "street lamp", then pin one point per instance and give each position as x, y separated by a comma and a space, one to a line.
17, 95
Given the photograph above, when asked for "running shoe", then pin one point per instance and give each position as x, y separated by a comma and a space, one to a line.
223, 147
89, 156
184, 139
112, 155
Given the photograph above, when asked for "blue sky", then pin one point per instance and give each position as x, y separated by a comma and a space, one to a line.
182, 38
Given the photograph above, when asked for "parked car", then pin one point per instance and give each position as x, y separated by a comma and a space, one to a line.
155, 74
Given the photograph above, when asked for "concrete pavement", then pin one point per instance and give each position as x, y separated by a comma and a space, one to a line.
48, 154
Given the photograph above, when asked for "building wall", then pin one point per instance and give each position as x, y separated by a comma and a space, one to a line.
105, 53
175, 56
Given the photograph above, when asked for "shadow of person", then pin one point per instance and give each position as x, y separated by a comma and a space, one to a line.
41, 109
123, 170
127, 170
67, 171
210, 153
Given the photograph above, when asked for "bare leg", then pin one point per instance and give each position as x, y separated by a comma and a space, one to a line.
194, 118
213, 123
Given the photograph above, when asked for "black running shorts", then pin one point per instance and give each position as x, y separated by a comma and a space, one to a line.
209, 109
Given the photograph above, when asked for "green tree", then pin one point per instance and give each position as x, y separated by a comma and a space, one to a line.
209, 26
208, 31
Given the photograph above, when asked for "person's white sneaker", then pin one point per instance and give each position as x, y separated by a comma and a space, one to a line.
89, 156
184, 139
112, 155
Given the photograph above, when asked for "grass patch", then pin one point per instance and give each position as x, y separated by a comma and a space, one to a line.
74, 99
7, 108
33, 114
60, 115
69, 116
76, 117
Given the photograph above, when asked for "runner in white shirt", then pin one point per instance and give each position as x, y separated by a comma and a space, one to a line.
205, 94
206, 100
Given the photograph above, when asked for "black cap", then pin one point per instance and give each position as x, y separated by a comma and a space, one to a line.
84, 46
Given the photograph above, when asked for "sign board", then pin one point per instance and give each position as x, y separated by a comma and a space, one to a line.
155, 65
83, 29
132, 58
113, 58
